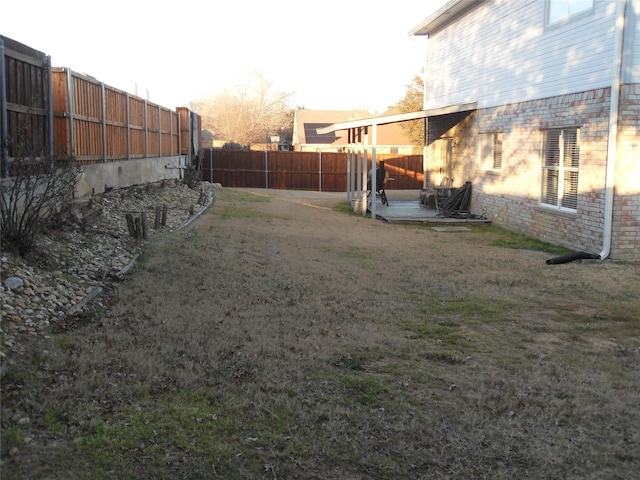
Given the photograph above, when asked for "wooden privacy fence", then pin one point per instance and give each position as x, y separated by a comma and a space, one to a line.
300, 170
97, 123
52, 110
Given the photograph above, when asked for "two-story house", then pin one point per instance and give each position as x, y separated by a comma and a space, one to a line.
549, 127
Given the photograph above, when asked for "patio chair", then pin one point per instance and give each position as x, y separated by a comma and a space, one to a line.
439, 193
381, 177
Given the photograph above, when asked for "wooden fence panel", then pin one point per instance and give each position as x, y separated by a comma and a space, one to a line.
116, 124
61, 124
406, 170
25, 77
153, 130
175, 133
137, 127
300, 170
165, 132
293, 170
334, 172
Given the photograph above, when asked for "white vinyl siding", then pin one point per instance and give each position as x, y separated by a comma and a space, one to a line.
501, 52
631, 67
560, 164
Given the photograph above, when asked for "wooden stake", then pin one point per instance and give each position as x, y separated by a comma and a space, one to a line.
164, 214
138, 230
143, 221
130, 225
157, 218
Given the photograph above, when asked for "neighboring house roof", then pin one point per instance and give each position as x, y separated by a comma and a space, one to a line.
393, 133
207, 136
307, 122
311, 127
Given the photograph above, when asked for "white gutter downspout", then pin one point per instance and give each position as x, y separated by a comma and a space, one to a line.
613, 128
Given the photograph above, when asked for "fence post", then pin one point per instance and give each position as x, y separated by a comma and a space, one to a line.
319, 171
211, 165
266, 169
157, 217
146, 130
4, 154
104, 123
128, 127
50, 101
159, 131
72, 139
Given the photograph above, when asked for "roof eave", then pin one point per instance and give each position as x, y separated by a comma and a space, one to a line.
449, 12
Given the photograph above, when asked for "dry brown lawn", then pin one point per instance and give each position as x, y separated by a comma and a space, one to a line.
276, 337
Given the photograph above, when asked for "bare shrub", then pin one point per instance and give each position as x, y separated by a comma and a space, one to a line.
191, 178
33, 197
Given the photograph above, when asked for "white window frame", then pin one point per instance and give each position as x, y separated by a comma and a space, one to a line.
558, 12
490, 151
560, 168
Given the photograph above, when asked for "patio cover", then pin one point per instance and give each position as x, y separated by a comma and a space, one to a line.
373, 122
400, 117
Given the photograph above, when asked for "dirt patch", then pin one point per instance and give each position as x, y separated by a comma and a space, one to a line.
278, 338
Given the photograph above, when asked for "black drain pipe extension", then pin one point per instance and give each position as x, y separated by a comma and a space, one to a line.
570, 257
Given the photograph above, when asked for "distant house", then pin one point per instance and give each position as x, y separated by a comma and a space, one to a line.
306, 122
207, 139
391, 139
537, 103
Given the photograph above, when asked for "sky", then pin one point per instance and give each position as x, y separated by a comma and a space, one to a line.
328, 55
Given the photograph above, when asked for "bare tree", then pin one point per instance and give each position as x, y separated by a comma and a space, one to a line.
413, 102
249, 113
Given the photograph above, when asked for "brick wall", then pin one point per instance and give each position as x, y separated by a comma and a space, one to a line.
511, 196
626, 206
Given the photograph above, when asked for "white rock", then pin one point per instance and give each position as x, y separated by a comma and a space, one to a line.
14, 283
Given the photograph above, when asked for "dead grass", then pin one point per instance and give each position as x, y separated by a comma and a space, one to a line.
272, 339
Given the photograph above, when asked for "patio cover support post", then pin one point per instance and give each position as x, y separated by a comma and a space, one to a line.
363, 178
373, 174
349, 165
424, 153
358, 165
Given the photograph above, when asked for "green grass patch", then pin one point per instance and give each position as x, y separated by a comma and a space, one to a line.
509, 239
421, 329
366, 390
243, 196
344, 207
482, 309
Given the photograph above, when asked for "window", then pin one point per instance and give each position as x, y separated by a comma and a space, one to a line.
490, 151
561, 156
562, 10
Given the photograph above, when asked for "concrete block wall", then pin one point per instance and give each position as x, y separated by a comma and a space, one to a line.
113, 175
511, 196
